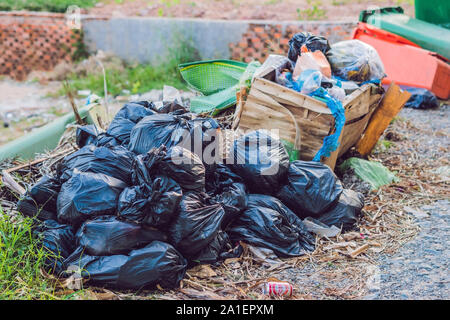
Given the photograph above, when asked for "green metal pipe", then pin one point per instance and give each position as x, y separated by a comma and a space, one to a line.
42, 139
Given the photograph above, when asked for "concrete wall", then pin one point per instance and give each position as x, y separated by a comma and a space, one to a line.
151, 39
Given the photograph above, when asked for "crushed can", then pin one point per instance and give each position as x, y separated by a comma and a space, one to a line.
280, 289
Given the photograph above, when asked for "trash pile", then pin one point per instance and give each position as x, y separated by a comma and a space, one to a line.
132, 208
152, 195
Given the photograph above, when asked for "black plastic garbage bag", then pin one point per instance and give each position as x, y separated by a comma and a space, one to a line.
115, 162
261, 160
152, 204
196, 224
219, 177
86, 135
218, 249
135, 111
184, 167
156, 130
87, 195
346, 212
105, 140
269, 224
312, 188
158, 263
40, 200
421, 99
58, 242
227, 188
107, 235
233, 200
311, 41
171, 130
120, 129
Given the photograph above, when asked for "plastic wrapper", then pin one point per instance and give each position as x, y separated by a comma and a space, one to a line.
158, 263
337, 93
356, 61
196, 224
308, 39
261, 160
152, 204
312, 188
87, 195
107, 235
115, 162
269, 224
346, 212
312, 61
40, 200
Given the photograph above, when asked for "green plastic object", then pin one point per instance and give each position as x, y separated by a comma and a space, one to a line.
433, 11
427, 35
212, 76
214, 103
372, 172
42, 139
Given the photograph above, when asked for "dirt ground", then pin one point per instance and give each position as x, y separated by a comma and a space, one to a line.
281, 10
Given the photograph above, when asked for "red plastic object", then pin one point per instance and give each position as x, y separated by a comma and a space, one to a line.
405, 62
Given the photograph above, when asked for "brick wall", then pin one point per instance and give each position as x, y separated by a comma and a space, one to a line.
34, 41
260, 40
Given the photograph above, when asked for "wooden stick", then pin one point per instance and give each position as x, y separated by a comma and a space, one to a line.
393, 100
359, 250
9, 181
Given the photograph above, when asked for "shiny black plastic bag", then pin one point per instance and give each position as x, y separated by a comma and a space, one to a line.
104, 140
346, 212
107, 235
154, 204
86, 135
158, 263
261, 160
115, 162
233, 199
311, 41
269, 224
180, 164
218, 249
312, 188
156, 130
40, 200
120, 129
87, 195
135, 111
421, 99
58, 241
196, 224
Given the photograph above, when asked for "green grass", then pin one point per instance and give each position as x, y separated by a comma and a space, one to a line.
44, 5
20, 261
138, 78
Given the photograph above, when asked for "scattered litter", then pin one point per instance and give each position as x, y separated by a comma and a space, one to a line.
370, 171
421, 99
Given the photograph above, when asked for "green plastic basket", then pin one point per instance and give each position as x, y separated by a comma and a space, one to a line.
209, 77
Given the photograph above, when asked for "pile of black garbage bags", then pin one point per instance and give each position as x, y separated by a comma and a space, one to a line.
134, 207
